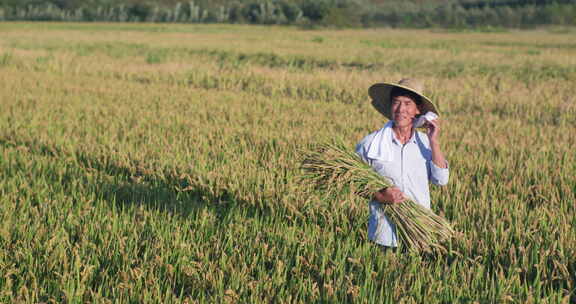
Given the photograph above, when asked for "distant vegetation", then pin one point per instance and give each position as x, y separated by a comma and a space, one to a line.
306, 13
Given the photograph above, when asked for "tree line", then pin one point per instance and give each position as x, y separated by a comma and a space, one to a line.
306, 13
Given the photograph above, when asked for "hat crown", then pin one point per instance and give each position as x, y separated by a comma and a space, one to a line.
413, 84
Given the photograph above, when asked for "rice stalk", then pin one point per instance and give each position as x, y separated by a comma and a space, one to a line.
331, 167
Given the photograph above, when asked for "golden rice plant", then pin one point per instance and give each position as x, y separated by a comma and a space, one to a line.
332, 167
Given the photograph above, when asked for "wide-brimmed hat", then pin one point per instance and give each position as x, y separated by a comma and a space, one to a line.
380, 94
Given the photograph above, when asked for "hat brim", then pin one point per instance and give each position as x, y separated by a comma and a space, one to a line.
381, 101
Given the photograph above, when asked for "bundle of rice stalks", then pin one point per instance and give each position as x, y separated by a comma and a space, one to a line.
332, 167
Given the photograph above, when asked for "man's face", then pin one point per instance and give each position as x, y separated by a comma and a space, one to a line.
404, 110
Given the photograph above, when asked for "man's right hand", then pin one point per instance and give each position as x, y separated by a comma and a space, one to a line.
390, 195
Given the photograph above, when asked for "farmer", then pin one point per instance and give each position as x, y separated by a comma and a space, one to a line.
407, 158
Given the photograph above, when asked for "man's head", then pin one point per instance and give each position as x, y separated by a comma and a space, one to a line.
404, 106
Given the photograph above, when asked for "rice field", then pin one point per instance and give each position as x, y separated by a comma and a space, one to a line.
146, 163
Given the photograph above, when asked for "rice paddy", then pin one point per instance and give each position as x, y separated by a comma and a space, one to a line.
160, 163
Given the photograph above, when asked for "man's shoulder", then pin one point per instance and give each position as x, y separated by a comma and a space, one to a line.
367, 139
423, 137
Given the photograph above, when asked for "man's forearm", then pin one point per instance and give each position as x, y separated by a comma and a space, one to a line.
437, 155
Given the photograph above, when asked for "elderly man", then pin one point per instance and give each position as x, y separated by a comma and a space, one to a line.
407, 158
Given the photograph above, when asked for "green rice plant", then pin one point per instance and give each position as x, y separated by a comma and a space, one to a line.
156, 56
5, 59
331, 167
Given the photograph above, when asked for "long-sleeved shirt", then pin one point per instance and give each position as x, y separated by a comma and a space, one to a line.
411, 169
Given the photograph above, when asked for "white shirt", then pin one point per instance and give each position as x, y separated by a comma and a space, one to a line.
411, 169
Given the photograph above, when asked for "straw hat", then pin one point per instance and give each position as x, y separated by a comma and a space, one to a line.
380, 94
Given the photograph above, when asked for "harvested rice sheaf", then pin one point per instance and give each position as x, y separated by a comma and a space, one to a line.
331, 167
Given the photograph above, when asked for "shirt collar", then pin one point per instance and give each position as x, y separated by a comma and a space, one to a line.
411, 140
